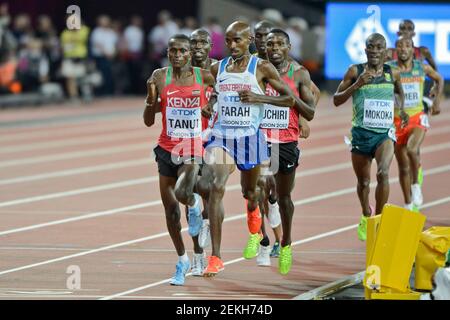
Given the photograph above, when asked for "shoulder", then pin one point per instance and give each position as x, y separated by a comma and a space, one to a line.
265, 65
157, 75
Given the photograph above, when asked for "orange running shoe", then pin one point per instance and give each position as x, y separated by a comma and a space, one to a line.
254, 220
215, 265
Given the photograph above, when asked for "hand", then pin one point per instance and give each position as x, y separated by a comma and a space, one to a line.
433, 91
405, 118
435, 109
207, 111
364, 78
305, 130
247, 96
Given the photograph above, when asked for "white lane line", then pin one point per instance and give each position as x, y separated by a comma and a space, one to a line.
70, 142
231, 218
232, 187
133, 182
76, 171
76, 155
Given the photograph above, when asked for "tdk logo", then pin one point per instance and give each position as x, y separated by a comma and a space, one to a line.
232, 99
185, 112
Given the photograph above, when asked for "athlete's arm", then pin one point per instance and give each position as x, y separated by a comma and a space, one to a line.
209, 77
348, 85
268, 74
304, 105
439, 81
151, 101
316, 92
425, 52
398, 89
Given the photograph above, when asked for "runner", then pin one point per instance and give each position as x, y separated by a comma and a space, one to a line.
406, 29
283, 141
181, 88
410, 138
201, 45
372, 86
236, 138
268, 202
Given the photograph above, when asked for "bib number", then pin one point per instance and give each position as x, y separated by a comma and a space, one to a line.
391, 134
378, 113
235, 115
424, 120
275, 118
183, 122
412, 94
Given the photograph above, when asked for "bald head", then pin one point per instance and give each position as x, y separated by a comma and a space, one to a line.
264, 24
239, 27
375, 38
200, 33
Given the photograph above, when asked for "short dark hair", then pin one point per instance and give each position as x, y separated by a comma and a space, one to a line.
201, 32
179, 36
404, 21
282, 32
374, 37
404, 38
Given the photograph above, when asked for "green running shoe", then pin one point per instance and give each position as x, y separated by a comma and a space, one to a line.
420, 176
251, 250
285, 259
362, 228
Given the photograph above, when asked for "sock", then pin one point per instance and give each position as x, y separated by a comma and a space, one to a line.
199, 255
184, 258
265, 241
409, 206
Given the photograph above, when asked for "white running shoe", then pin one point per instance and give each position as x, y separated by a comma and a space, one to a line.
274, 215
409, 206
416, 194
204, 237
263, 258
199, 264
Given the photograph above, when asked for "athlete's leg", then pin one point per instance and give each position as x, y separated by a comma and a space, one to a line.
404, 171
415, 140
285, 184
361, 166
383, 156
187, 179
172, 211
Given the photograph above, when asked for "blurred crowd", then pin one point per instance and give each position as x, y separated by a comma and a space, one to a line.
115, 57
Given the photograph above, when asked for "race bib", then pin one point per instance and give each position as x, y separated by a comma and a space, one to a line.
424, 121
392, 135
275, 117
235, 115
412, 94
183, 122
378, 113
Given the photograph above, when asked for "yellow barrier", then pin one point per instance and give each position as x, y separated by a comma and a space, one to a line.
431, 254
392, 242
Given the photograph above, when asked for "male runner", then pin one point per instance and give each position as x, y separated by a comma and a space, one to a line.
410, 138
268, 202
282, 131
241, 82
201, 45
372, 86
181, 89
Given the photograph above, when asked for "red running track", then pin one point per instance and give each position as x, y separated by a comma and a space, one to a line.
79, 187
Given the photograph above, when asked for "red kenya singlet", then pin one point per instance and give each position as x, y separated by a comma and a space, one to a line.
182, 123
281, 124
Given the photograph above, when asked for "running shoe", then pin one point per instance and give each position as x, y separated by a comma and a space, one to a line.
195, 217
285, 259
275, 250
420, 176
254, 220
362, 228
416, 195
198, 264
181, 269
215, 265
204, 237
251, 250
409, 206
263, 258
